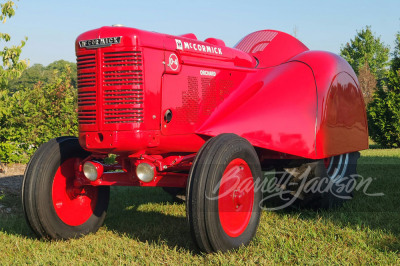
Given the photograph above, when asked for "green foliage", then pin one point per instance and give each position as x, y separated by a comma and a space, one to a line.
7, 10
368, 55
365, 47
30, 77
12, 66
396, 54
384, 113
34, 115
39, 73
111, 159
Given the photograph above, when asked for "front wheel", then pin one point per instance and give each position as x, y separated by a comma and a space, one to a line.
54, 206
222, 203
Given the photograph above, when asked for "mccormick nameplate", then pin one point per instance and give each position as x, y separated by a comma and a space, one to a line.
102, 42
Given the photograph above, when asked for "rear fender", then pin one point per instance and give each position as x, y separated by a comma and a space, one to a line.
310, 107
341, 121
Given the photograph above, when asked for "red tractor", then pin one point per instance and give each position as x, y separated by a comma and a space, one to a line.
199, 117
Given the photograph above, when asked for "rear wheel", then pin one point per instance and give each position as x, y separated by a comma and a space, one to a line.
55, 207
324, 184
222, 203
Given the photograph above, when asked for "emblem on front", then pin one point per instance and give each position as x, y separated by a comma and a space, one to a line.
173, 62
101, 42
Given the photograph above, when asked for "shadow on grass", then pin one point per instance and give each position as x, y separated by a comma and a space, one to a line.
12, 220
149, 215
365, 210
11, 184
375, 146
125, 216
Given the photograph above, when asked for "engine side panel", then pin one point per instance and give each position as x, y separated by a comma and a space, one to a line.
192, 97
274, 109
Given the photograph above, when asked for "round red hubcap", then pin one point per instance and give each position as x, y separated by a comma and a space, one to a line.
236, 197
73, 205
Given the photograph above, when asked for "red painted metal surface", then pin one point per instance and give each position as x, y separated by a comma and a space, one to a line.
271, 110
271, 47
73, 204
170, 171
157, 94
236, 198
166, 179
341, 125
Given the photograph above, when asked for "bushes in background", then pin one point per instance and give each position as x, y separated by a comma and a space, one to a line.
384, 110
33, 115
384, 113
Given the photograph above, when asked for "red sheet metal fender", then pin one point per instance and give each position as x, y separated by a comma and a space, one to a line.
310, 106
341, 118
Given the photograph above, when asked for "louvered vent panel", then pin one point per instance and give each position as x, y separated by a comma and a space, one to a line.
86, 65
122, 87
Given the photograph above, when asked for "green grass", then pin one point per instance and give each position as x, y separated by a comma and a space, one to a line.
145, 226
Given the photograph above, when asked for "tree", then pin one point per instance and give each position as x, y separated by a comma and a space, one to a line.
384, 110
39, 73
367, 83
384, 113
396, 54
11, 66
31, 76
365, 47
62, 66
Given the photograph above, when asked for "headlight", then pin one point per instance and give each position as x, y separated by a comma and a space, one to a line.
145, 172
92, 170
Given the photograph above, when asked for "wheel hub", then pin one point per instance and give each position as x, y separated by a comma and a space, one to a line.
74, 205
236, 197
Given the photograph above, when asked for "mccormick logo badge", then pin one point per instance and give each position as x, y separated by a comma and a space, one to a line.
102, 42
197, 47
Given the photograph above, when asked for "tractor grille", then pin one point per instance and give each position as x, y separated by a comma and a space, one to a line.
87, 96
123, 87
119, 98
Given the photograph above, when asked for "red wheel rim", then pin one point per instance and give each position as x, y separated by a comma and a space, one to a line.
73, 205
236, 197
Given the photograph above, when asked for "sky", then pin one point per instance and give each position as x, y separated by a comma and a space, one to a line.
52, 26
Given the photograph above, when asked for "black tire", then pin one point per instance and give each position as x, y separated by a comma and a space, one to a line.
322, 184
208, 213
50, 170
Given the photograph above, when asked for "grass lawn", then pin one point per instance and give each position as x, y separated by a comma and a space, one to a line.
144, 225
